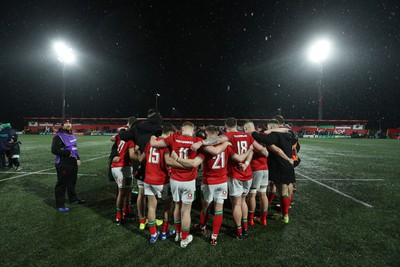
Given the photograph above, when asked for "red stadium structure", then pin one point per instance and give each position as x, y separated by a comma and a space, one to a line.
309, 128
393, 133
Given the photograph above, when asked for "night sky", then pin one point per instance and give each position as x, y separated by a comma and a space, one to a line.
205, 58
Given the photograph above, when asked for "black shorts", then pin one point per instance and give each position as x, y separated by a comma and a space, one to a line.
282, 175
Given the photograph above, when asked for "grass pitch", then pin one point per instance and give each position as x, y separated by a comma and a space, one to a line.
345, 214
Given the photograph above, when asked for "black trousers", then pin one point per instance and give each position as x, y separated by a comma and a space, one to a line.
66, 181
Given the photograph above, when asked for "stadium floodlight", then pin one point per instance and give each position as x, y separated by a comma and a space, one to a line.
157, 95
318, 53
66, 56
172, 112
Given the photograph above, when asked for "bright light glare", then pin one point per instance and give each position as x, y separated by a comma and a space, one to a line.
64, 53
320, 50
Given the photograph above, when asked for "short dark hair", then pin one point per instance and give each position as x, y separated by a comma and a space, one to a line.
230, 122
167, 128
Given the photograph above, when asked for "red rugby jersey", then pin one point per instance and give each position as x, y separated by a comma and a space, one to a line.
123, 152
259, 162
215, 167
181, 145
240, 142
156, 169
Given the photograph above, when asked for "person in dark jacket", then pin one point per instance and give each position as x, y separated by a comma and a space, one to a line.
140, 133
65, 148
281, 169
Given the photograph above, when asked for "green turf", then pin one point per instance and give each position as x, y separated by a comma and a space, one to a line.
325, 229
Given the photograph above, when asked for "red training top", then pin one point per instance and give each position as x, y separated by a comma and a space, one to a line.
241, 143
156, 169
123, 152
181, 145
215, 167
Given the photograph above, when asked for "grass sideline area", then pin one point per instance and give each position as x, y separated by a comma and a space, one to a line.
346, 214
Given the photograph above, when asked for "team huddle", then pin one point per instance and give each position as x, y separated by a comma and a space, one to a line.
234, 164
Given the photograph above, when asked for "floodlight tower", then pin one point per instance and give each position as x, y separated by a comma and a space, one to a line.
66, 56
318, 53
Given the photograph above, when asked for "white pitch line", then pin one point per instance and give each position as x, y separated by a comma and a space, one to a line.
350, 180
337, 191
27, 174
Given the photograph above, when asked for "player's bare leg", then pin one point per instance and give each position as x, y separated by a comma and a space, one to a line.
271, 192
263, 205
237, 214
141, 207
119, 205
251, 201
177, 219
290, 191
164, 228
285, 201
204, 215
151, 216
127, 201
217, 221
185, 212
245, 211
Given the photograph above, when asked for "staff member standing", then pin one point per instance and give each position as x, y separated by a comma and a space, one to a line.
65, 148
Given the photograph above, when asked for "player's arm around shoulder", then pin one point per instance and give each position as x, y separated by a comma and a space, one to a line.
260, 149
215, 150
279, 152
209, 142
245, 156
185, 163
158, 143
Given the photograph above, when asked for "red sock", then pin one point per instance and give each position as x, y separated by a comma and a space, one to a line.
177, 225
264, 215
285, 203
238, 230
271, 196
244, 223
152, 227
127, 208
185, 233
203, 217
164, 227
118, 215
251, 215
217, 222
